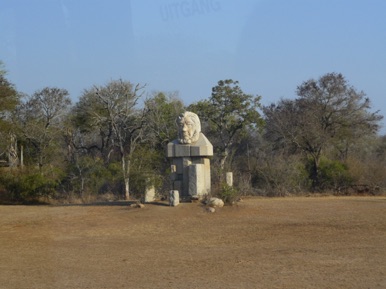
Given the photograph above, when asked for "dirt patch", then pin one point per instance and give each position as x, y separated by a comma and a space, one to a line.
329, 242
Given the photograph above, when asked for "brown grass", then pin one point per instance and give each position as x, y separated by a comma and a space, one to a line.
325, 242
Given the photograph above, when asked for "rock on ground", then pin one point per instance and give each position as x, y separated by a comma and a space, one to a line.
215, 202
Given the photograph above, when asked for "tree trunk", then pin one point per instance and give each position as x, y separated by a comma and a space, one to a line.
21, 157
223, 159
127, 188
315, 174
125, 173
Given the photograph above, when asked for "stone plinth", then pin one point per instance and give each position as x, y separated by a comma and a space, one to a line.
190, 167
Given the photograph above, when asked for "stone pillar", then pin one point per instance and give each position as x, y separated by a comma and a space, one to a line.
229, 179
174, 198
197, 186
149, 194
186, 162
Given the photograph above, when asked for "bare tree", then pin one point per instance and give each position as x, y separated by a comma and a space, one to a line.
113, 111
41, 120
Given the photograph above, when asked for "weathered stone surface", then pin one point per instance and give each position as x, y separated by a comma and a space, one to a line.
197, 187
215, 202
149, 195
202, 147
180, 173
206, 163
182, 150
189, 127
170, 149
229, 179
174, 198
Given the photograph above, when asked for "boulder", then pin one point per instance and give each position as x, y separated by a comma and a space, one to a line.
211, 210
215, 202
137, 205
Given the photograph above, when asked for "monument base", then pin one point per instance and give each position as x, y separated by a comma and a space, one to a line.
190, 168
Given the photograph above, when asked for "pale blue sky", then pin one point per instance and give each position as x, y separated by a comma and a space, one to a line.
269, 46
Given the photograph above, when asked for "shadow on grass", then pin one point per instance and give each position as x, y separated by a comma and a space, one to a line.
91, 204
160, 203
111, 204
23, 203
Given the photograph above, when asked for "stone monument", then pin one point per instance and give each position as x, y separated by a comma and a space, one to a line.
189, 154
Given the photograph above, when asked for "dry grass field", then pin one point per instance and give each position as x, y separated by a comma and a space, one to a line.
325, 242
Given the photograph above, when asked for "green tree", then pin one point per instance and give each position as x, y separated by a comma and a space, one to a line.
328, 113
163, 110
161, 128
228, 113
9, 99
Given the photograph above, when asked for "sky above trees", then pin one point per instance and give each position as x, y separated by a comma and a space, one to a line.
269, 46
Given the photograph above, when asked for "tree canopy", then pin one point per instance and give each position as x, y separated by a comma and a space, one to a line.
327, 113
228, 112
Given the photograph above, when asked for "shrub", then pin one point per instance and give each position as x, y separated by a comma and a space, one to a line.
228, 194
28, 185
278, 176
333, 174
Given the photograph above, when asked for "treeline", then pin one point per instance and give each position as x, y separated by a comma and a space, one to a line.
110, 144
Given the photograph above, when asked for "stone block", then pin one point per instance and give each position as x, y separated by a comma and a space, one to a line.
200, 148
197, 186
186, 163
174, 198
182, 151
207, 174
201, 151
229, 179
170, 150
149, 194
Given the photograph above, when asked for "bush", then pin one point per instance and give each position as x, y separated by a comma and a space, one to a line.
228, 194
27, 185
278, 176
333, 175
89, 177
